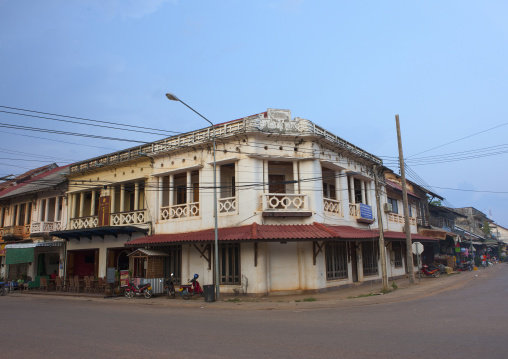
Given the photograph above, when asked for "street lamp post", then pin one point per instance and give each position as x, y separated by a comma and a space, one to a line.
217, 287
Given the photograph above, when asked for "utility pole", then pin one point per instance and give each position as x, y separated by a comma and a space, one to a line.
409, 244
382, 248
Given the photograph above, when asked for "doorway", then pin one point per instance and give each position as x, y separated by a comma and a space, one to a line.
354, 262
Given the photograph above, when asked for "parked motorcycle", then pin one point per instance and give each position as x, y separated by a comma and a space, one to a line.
430, 272
133, 290
189, 290
465, 266
169, 286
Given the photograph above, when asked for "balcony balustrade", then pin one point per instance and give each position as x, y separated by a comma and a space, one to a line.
398, 218
285, 202
126, 218
227, 205
333, 206
44, 227
362, 212
84, 222
16, 231
186, 210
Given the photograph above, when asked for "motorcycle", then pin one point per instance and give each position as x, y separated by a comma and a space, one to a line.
188, 290
169, 286
133, 290
465, 266
427, 271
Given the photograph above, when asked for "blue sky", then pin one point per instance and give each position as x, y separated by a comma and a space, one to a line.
347, 66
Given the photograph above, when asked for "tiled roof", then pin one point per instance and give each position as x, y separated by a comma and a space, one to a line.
45, 180
26, 175
288, 232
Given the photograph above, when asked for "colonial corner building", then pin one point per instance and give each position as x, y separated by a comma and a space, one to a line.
296, 211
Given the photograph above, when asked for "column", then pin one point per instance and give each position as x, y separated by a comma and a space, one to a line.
46, 210
189, 187
17, 215
265, 176
2, 214
171, 190
362, 189
82, 204
57, 209
113, 198
92, 204
122, 198
27, 213
351, 190
136, 196
296, 187
160, 196
39, 212
71, 206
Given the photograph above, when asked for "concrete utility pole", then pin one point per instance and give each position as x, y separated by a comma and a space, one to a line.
409, 244
382, 248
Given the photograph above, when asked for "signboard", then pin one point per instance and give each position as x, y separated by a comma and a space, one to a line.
2, 250
124, 278
366, 211
110, 275
417, 248
104, 210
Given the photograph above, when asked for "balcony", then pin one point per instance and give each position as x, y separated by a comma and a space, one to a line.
227, 205
332, 206
398, 218
361, 212
127, 218
285, 205
84, 222
186, 210
39, 228
16, 232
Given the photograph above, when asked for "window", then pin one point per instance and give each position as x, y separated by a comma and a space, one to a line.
393, 202
410, 210
336, 260
397, 254
229, 263
370, 258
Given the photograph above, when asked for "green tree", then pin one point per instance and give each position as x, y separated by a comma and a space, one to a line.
486, 228
433, 201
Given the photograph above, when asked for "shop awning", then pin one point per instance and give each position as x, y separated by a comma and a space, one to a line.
19, 253
97, 232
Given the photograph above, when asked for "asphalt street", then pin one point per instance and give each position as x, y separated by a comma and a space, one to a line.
464, 321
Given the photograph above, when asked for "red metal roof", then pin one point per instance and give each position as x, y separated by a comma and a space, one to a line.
397, 187
32, 180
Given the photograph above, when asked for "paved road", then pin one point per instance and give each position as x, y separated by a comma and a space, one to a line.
468, 321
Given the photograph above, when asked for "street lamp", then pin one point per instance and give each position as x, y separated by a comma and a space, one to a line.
172, 97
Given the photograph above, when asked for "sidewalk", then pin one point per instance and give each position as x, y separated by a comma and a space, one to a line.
356, 295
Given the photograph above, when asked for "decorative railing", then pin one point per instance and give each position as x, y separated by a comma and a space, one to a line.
333, 206
353, 210
16, 231
42, 227
227, 205
256, 123
84, 222
131, 217
185, 210
284, 202
397, 218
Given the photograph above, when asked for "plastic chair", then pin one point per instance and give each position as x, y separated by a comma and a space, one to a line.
71, 287
44, 283
88, 286
58, 284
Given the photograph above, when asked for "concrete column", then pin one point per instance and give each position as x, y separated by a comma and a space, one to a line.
57, 208
92, 204
296, 177
189, 187
122, 198
351, 189
338, 196
113, 198
46, 211
82, 204
265, 176
2, 214
171, 190
71, 206
39, 210
136, 196
18, 212
362, 189
344, 195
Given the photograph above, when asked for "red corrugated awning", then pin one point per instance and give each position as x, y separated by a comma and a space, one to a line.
265, 232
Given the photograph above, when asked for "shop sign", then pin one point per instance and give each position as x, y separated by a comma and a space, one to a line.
104, 210
124, 278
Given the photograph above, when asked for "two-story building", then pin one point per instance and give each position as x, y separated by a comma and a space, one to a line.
31, 207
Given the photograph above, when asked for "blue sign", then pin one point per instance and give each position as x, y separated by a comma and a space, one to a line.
365, 211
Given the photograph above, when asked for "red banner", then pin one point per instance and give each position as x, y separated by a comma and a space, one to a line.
104, 210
